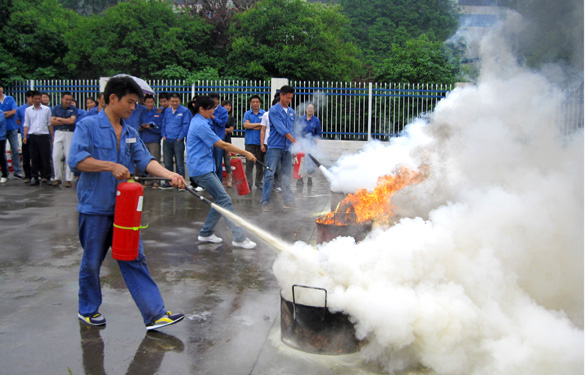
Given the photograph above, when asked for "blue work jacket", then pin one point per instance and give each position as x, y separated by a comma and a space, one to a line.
312, 126
281, 123
2, 126
252, 136
200, 147
154, 119
175, 125
59, 111
94, 136
19, 116
135, 119
218, 122
8, 105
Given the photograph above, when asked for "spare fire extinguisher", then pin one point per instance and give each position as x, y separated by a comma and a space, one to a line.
127, 216
239, 176
299, 158
9, 161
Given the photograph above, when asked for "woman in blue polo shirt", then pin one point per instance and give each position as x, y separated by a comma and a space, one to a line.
311, 131
201, 167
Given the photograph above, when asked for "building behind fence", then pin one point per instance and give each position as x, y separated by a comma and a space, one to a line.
347, 110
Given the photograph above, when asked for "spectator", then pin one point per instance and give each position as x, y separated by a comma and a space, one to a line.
101, 104
95, 144
19, 117
217, 122
81, 113
90, 103
229, 129
163, 101
45, 99
8, 106
253, 126
37, 135
150, 129
135, 119
264, 133
282, 118
175, 124
201, 164
3, 163
63, 122
310, 131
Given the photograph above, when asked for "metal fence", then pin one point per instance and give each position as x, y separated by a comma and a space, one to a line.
347, 110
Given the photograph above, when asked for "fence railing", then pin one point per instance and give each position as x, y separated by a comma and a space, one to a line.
347, 110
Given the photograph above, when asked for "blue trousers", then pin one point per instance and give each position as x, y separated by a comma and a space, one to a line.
273, 157
177, 149
12, 138
218, 154
211, 183
95, 235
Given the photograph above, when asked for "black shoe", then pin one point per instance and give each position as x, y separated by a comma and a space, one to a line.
34, 182
310, 181
45, 182
300, 182
19, 176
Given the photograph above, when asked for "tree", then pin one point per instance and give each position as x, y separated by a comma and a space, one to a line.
377, 24
418, 60
138, 37
88, 7
294, 39
34, 40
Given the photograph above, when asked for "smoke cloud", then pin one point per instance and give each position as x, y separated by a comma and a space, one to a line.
483, 274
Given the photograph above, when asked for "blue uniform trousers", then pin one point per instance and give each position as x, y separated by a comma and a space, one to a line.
95, 234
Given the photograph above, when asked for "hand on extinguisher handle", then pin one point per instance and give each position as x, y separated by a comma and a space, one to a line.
120, 172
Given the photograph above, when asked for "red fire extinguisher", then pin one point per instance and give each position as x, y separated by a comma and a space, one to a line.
298, 160
9, 161
239, 176
127, 216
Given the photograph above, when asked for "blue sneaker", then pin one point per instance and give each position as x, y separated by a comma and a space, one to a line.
96, 319
166, 320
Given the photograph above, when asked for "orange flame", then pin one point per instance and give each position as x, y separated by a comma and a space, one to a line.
375, 206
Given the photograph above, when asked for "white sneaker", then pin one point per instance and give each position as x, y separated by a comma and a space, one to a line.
199, 189
3, 180
213, 239
245, 244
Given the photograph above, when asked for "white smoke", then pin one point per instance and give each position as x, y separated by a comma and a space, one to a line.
484, 273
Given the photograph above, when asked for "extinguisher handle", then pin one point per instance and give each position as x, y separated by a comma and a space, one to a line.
264, 165
192, 191
138, 178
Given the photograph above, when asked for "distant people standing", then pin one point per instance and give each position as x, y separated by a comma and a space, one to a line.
45, 99
282, 118
253, 126
90, 103
63, 122
19, 117
8, 106
229, 129
37, 135
3, 163
135, 119
175, 124
101, 104
150, 129
163, 101
264, 134
217, 122
310, 131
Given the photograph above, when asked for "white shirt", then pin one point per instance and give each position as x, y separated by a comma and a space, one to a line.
265, 122
37, 120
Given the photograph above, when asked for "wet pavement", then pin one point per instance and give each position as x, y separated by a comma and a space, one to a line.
230, 296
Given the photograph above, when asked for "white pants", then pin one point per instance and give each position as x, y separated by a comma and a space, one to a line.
61, 147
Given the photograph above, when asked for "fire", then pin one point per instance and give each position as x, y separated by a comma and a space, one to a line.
376, 206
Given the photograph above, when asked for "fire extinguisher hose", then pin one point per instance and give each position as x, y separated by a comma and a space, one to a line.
131, 228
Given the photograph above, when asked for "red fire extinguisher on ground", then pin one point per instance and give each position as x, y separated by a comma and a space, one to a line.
299, 158
9, 161
127, 216
239, 176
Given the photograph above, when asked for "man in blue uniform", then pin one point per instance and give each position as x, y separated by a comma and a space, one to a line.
253, 125
105, 149
175, 125
217, 122
282, 119
150, 129
8, 106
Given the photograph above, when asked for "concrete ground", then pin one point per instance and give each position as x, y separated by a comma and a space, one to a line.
230, 296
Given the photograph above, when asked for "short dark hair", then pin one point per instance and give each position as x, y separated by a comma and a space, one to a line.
148, 96
66, 93
32, 93
255, 97
121, 86
224, 102
287, 90
45, 93
205, 102
175, 95
214, 95
90, 98
163, 95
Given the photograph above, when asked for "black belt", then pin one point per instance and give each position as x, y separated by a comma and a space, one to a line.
64, 130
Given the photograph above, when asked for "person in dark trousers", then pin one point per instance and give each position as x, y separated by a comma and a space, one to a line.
229, 129
3, 163
253, 126
37, 135
8, 106
217, 123
105, 149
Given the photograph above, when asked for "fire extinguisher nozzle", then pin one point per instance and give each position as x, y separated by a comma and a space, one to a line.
315, 160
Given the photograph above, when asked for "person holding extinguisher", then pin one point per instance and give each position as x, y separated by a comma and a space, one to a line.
105, 149
201, 140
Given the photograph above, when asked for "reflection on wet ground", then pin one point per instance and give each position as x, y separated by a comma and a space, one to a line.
229, 296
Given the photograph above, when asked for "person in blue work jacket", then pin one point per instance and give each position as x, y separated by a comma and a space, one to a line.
217, 122
150, 129
253, 125
135, 119
282, 119
201, 166
310, 131
175, 124
8, 106
105, 149
3, 163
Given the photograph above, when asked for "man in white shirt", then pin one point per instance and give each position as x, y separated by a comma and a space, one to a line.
38, 135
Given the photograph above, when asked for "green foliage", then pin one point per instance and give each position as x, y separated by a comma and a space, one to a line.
138, 37
178, 72
293, 39
378, 24
34, 35
418, 60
